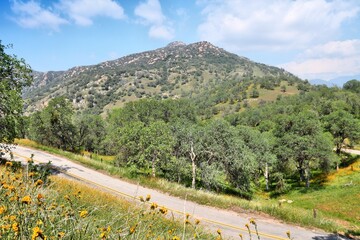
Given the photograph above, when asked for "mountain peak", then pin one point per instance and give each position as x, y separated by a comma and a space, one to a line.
177, 70
176, 44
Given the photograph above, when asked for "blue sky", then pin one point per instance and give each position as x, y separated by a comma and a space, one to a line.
310, 38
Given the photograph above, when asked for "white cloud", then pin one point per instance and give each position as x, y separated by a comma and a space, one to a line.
161, 31
150, 11
151, 14
32, 15
82, 11
271, 24
327, 61
345, 48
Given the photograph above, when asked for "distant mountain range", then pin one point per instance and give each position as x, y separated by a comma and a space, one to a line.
177, 70
338, 82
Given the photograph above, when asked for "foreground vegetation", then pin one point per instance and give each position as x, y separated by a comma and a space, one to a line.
56, 208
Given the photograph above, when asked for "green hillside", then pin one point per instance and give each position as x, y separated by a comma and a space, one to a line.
197, 71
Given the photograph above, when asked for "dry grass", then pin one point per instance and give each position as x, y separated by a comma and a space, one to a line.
69, 210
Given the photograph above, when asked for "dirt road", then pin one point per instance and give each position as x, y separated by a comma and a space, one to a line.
229, 222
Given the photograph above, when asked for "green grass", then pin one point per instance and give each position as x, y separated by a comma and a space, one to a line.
337, 197
271, 95
336, 204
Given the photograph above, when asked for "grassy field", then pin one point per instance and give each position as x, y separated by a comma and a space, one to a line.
337, 197
333, 198
271, 95
58, 208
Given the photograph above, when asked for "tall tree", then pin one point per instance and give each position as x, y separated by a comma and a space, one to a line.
157, 142
53, 125
342, 125
352, 85
189, 144
261, 145
301, 142
126, 143
15, 74
90, 131
223, 145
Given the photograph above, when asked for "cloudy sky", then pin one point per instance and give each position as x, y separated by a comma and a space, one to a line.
310, 38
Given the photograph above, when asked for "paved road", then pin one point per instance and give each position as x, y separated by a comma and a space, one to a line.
357, 152
231, 223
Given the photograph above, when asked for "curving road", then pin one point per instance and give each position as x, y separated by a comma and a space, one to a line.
229, 222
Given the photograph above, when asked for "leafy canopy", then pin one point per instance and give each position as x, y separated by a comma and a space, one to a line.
15, 74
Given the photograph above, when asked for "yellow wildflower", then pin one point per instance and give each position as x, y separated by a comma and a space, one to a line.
38, 182
141, 199
175, 238
2, 209
37, 232
105, 232
15, 227
14, 198
148, 197
163, 210
288, 234
12, 217
61, 234
219, 231
6, 227
252, 221
132, 229
102, 235
26, 200
83, 213
8, 164
153, 206
197, 221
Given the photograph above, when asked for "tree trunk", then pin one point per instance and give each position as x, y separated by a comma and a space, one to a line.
193, 174
301, 173
266, 174
153, 165
307, 176
193, 157
338, 149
